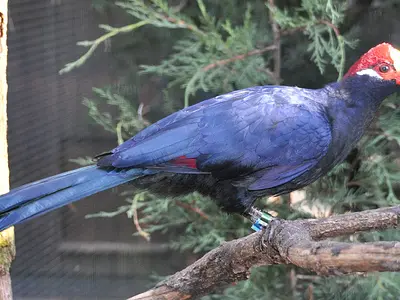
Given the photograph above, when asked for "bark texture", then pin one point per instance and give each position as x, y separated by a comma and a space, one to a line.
301, 243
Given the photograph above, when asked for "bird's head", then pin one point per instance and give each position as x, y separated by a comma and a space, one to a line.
382, 61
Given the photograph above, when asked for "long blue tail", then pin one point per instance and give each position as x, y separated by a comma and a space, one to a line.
42, 196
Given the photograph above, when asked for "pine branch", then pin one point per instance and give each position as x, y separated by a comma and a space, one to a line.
291, 242
341, 46
152, 17
276, 47
97, 42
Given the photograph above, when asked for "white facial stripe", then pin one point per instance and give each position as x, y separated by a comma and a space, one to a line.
369, 72
395, 56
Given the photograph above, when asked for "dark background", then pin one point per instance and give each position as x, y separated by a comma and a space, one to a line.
62, 255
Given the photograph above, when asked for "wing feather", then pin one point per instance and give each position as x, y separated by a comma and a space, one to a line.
274, 133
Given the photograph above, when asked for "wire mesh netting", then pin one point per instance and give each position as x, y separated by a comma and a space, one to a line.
63, 255
188, 51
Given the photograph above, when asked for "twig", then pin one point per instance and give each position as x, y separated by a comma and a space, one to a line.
338, 36
301, 28
341, 45
291, 242
124, 29
329, 24
135, 218
118, 130
310, 292
267, 71
141, 112
183, 24
223, 62
292, 30
276, 47
307, 277
293, 282
94, 44
192, 208
353, 184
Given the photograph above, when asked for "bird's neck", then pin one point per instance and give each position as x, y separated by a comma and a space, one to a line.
358, 97
351, 105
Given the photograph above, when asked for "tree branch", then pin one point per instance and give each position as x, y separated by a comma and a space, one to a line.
290, 242
276, 47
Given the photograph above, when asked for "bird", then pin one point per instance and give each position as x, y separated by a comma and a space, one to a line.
235, 148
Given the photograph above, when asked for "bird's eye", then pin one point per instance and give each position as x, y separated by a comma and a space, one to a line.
384, 68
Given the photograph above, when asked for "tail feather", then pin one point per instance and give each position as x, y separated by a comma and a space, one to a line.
42, 196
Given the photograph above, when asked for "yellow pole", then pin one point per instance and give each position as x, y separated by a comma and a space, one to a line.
7, 246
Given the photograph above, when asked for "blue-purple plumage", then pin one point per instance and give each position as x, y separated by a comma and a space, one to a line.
34, 199
235, 147
255, 128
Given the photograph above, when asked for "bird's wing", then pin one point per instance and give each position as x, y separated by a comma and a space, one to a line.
275, 131
273, 138
158, 136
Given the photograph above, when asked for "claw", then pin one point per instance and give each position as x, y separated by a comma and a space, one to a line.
263, 221
262, 243
272, 227
266, 243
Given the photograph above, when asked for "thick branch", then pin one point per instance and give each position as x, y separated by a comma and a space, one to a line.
296, 242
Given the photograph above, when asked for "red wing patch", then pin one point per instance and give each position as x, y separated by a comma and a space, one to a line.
184, 161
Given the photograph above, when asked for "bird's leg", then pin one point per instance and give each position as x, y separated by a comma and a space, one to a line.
261, 221
259, 218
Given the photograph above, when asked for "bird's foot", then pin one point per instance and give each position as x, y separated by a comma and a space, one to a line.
263, 221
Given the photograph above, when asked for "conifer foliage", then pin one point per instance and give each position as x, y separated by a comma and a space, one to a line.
212, 47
